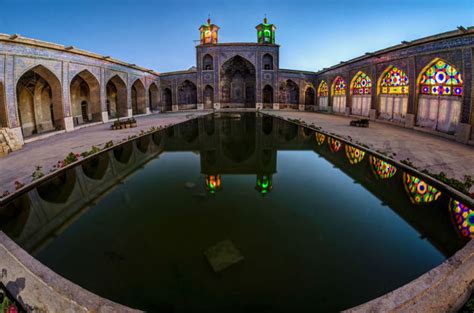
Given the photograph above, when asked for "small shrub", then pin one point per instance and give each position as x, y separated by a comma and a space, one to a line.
37, 173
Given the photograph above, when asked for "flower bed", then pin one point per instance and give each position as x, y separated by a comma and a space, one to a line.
121, 124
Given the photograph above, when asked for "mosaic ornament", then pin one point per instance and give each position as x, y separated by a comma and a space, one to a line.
323, 90
362, 84
354, 155
334, 144
320, 138
419, 191
463, 217
382, 169
394, 82
441, 79
339, 87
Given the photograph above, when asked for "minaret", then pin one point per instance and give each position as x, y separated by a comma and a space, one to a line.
208, 33
266, 32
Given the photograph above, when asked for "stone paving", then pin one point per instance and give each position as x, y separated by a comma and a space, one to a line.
19, 165
424, 150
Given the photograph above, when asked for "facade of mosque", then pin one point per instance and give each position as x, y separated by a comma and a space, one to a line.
424, 84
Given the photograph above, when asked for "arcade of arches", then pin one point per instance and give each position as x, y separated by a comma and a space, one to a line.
116, 90
138, 98
85, 98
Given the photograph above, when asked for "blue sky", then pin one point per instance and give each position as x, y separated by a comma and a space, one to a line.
160, 34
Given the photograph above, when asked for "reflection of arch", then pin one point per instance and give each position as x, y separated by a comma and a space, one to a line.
268, 96
138, 98
153, 96
116, 90
207, 62
418, 190
189, 130
123, 152
288, 131
157, 136
59, 188
14, 216
392, 88
96, 167
309, 96
39, 99
167, 99
267, 125
208, 97
323, 93
3, 107
143, 143
238, 139
289, 92
187, 95
439, 105
238, 83
267, 61
209, 126
85, 98
361, 88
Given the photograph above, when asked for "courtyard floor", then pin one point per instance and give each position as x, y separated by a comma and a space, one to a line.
425, 151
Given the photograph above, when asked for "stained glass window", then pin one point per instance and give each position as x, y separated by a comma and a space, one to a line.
264, 183
213, 183
418, 190
354, 155
463, 217
382, 169
334, 144
394, 82
339, 87
323, 90
441, 79
362, 84
320, 138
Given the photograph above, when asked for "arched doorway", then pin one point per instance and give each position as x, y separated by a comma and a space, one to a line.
116, 97
267, 97
207, 63
208, 98
167, 100
267, 62
323, 93
393, 94
85, 98
361, 88
138, 98
39, 98
187, 96
237, 83
289, 95
309, 99
338, 92
439, 104
3, 108
153, 97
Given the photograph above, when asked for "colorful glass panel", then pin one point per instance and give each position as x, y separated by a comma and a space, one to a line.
441, 79
418, 190
362, 84
394, 82
323, 90
334, 144
463, 217
382, 169
354, 155
339, 87
320, 138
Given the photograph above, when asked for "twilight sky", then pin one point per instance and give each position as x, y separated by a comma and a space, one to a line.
160, 34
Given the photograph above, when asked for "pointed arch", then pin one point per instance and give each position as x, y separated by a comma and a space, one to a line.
267, 62
207, 63
187, 95
39, 101
323, 93
361, 88
167, 100
289, 94
138, 97
153, 96
238, 83
84, 93
208, 97
267, 94
440, 88
116, 91
309, 98
338, 92
392, 88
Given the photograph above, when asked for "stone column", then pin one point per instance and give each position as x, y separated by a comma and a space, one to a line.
103, 96
463, 133
13, 121
412, 93
66, 99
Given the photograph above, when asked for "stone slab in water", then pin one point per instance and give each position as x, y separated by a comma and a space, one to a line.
223, 255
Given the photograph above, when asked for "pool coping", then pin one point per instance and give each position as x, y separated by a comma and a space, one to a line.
444, 288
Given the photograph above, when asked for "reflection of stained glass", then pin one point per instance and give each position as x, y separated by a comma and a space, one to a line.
362, 84
213, 183
395, 82
441, 79
418, 190
320, 138
354, 155
382, 169
339, 87
264, 183
334, 144
463, 217
323, 89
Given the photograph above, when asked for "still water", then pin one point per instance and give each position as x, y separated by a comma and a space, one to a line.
317, 224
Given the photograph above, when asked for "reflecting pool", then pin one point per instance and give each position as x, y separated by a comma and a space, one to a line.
238, 213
